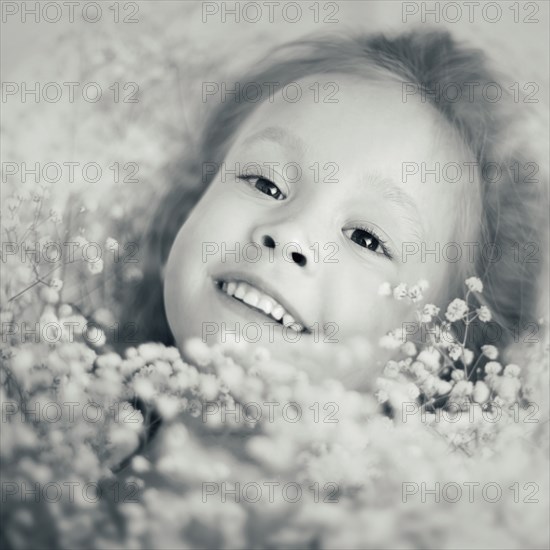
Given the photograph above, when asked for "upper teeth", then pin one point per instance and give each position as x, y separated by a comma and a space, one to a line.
259, 300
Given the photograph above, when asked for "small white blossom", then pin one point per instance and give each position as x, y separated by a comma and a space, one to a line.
428, 312
49, 295
409, 349
400, 291
484, 314
442, 387
111, 244
415, 294
423, 285
382, 396
511, 370
455, 352
491, 352
493, 367
457, 375
431, 358
80, 241
391, 370
474, 284
95, 267
456, 310
412, 390
468, 356
56, 284
481, 392
462, 388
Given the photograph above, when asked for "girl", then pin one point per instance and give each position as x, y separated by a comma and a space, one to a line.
387, 164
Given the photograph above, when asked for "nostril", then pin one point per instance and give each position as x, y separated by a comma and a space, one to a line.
298, 258
268, 241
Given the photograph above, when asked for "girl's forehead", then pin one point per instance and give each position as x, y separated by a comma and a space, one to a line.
354, 119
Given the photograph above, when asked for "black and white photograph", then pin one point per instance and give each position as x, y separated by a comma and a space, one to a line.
274, 275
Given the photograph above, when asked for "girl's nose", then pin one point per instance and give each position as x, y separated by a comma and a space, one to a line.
297, 257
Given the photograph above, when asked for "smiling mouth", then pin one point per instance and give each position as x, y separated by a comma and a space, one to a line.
259, 301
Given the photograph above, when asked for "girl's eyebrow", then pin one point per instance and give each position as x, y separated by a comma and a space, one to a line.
279, 135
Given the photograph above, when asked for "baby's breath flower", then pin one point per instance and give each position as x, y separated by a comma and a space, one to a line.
512, 370
417, 368
415, 294
80, 241
11, 222
12, 203
423, 285
140, 464
95, 336
168, 406
430, 357
49, 295
455, 352
55, 216
95, 267
442, 387
56, 284
484, 314
457, 375
456, 310
382, 396
209, 387
144, 388
429, 385
198, 352
261, 354
462, 388
508, 388
468, 356
385, 289
111, 244
390, 341
409, 349
474, 284
391, 370
104, 317
428, 312
400, 291
22, 361
481, 392
493, 367
412, 390
491, 352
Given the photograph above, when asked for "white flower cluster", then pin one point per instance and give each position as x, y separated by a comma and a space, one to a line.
146, 450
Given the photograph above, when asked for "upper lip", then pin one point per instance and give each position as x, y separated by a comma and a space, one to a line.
261, 285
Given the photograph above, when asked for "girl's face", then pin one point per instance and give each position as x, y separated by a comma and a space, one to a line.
315, 206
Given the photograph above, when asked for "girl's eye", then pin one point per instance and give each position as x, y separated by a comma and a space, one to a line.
265, 186
367, 240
